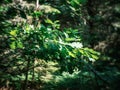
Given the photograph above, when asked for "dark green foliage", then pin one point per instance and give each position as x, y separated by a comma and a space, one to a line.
62, 45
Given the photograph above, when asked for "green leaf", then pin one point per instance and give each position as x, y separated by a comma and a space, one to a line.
72, 39
91, 51
48, 21
75, 3
82, 1
19, 44
13, 32
13, 45
69, 39
72, 54
37, 13
95, 56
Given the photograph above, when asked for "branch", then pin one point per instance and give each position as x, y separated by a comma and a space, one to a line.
97, 74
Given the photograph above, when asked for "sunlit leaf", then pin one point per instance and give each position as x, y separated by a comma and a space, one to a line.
13, 32
19, 44
71, 54
37, 13
13, 45
48, 21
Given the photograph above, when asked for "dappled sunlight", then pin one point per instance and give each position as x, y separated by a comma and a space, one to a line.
59, 45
